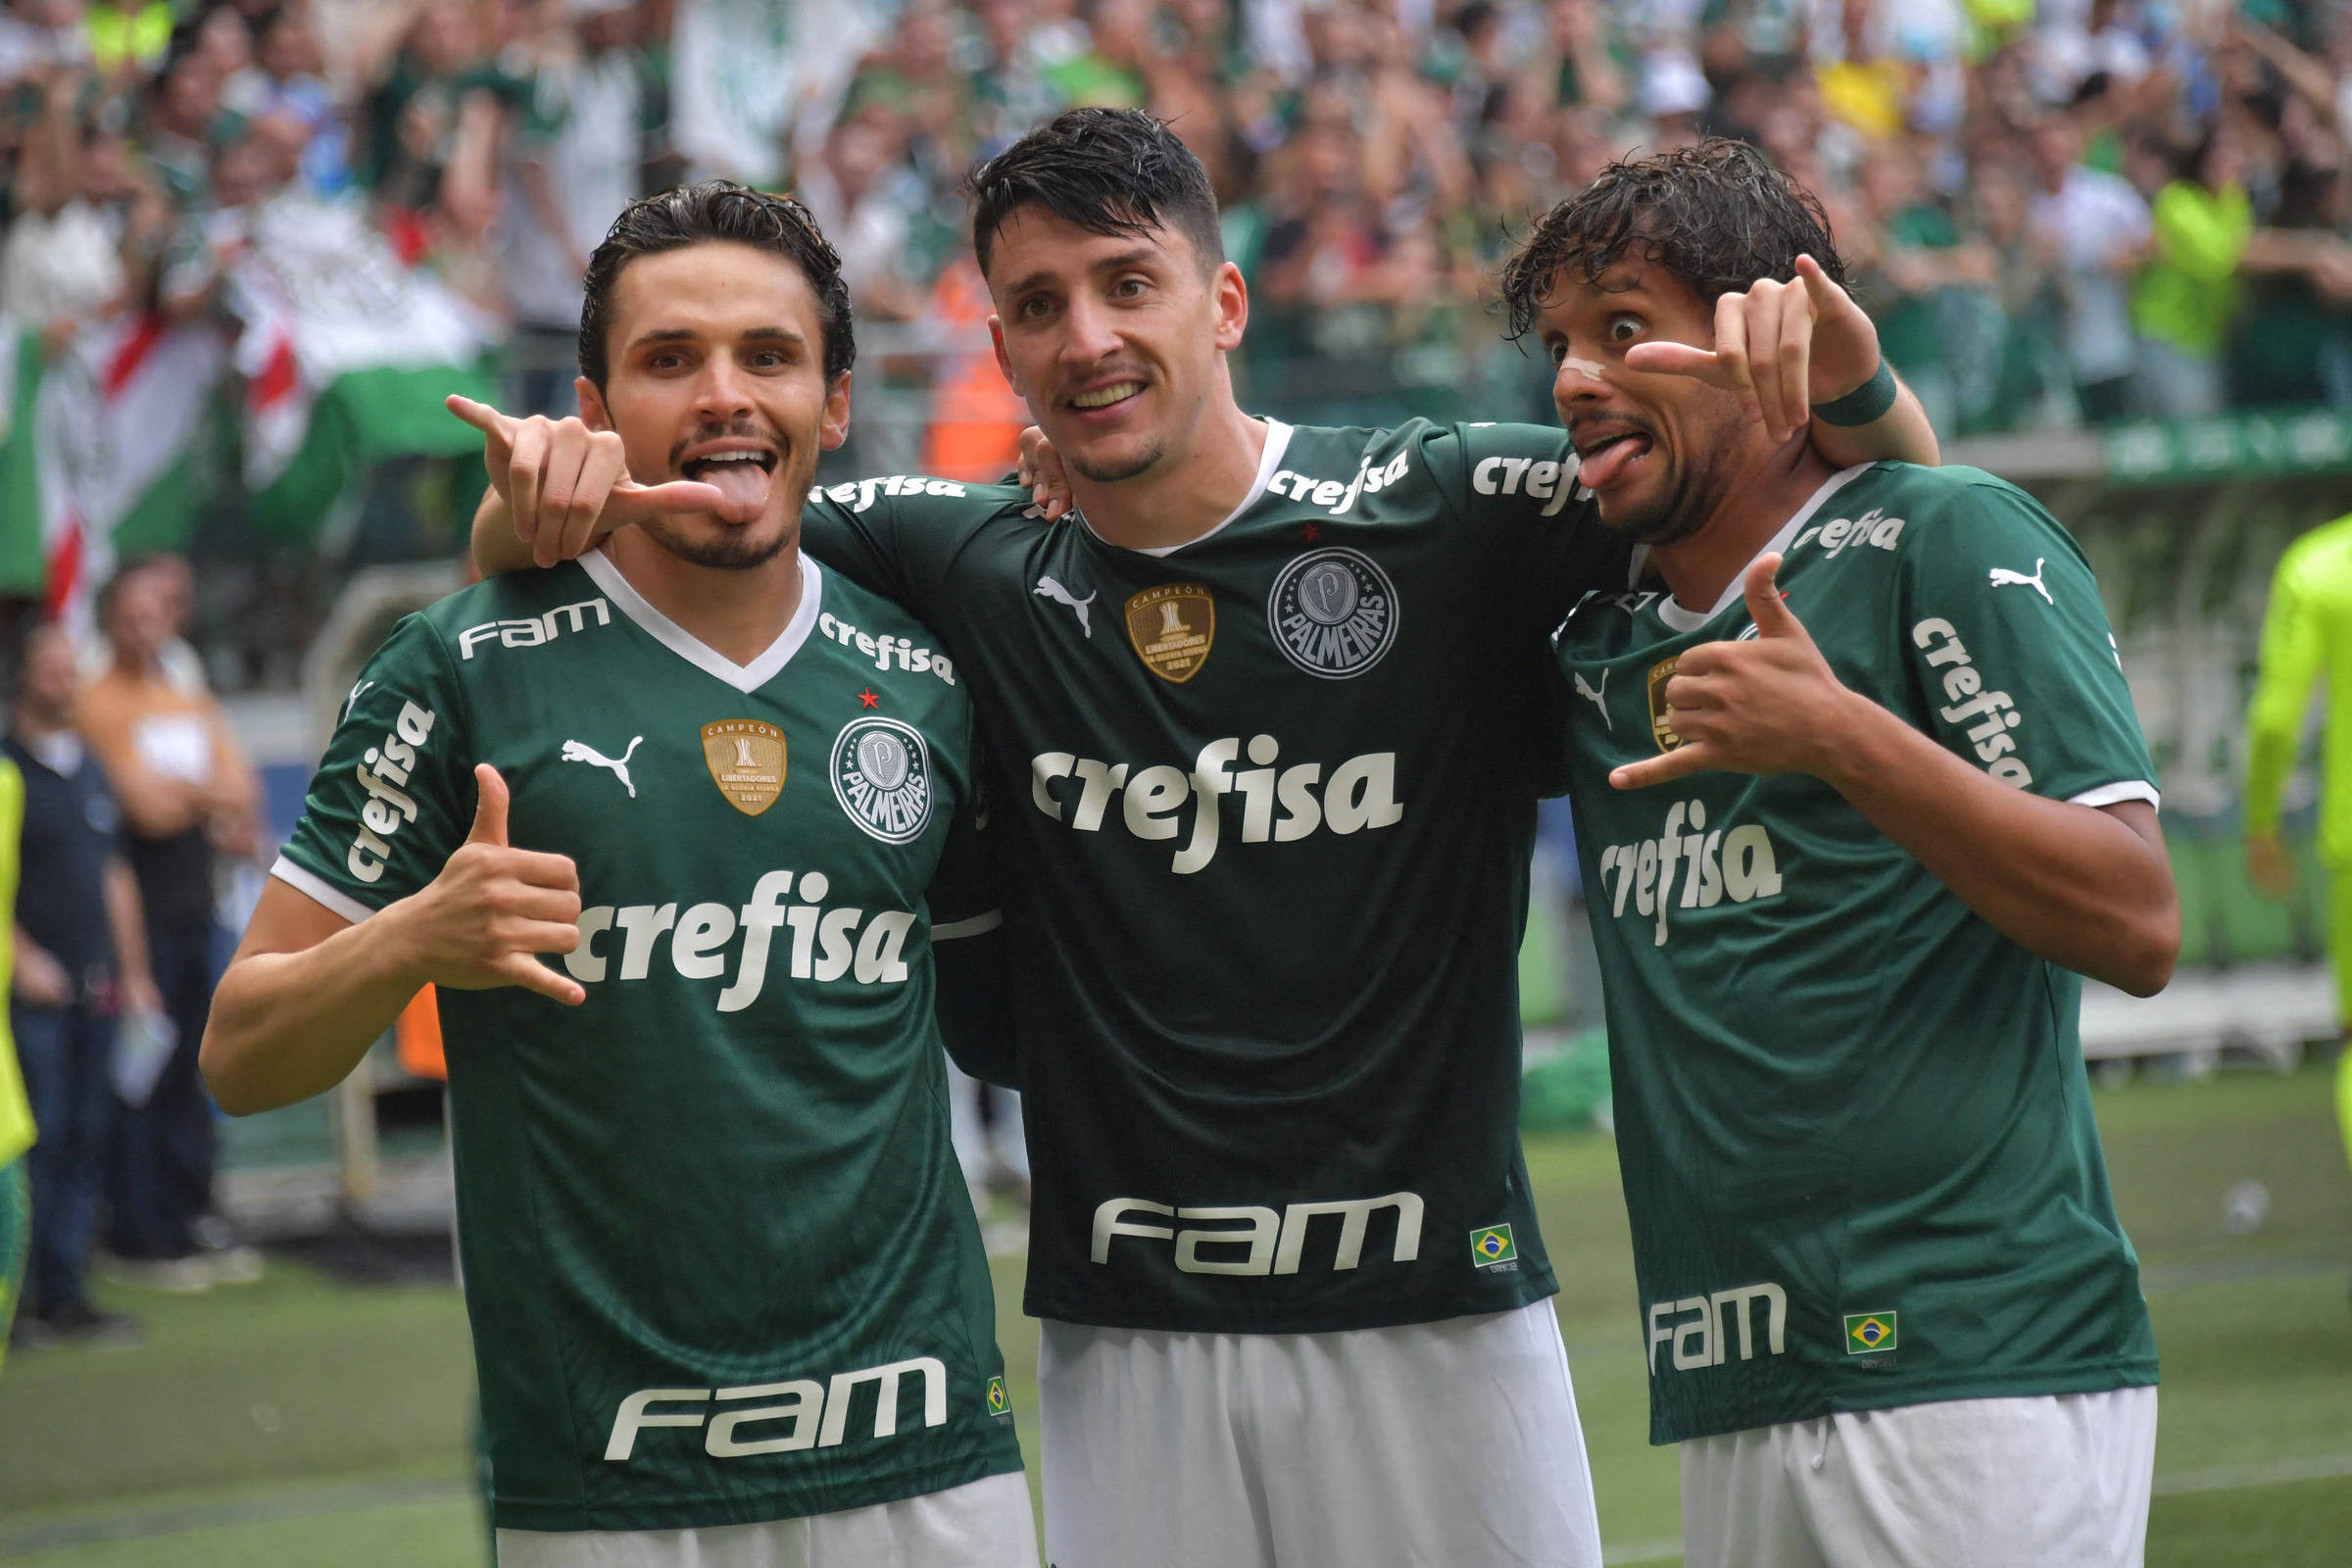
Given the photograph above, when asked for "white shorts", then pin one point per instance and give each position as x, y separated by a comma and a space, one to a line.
2056, 1481
1450, 1445
981, 1524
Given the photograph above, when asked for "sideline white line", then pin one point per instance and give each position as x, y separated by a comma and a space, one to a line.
296, 1501
2268, 1473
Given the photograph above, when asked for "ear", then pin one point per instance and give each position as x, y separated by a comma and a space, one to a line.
1233, 306
995, 340
834, 428
593, 413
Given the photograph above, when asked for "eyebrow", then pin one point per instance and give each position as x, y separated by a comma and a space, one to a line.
1133, 256
750, 334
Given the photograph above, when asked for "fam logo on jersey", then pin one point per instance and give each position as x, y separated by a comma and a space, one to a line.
1333, 611
1492, 1247
1000, 1403
1660, 730
1698, 1331
882, 776
746, 758
1172, 628
1869, 1332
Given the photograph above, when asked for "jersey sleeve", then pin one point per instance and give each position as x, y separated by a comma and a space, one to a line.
2294, 645
394, 795
2011, 653
967, 948
895, 535
1513, 487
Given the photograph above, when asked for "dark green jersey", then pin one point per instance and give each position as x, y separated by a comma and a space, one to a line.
720, 1261
1853, 1120
1269, 798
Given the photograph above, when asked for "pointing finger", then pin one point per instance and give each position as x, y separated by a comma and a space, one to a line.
1690, 758
1678, 358
632, 501
481, 416
522, 969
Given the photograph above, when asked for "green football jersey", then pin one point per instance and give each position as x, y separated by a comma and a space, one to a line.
1853, 1120
1270, 794
720, 1261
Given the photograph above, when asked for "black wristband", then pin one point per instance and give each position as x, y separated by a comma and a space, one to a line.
1865, 404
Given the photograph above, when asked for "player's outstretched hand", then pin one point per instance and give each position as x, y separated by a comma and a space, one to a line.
567, 486
481, 922
1042, 472
1780, 347
1769, 704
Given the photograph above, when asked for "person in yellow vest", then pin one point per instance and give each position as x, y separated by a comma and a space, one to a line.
2307, 639
15, 1112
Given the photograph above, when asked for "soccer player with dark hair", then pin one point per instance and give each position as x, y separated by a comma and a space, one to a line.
1267, 716
1860, 794
728, 1299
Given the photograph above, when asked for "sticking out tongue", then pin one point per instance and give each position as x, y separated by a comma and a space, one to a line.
742, 488
1599, 467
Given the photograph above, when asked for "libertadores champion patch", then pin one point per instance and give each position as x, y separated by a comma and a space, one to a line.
1659, 728
882, 776
746, 758
1333, 611
1173, 626
1869, 1332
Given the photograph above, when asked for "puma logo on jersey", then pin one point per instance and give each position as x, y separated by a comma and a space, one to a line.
383, 772
580, 752
1700, 1329
1594, 697
2003, 577
1707, 866
1361, 793
1048, 588
827, 946
1991, 715
353, 701
815, 1415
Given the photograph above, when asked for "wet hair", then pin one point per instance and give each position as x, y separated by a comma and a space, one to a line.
1719, 216
716, 211
1108, 172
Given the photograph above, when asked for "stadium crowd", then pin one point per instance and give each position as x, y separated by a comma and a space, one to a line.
2062, 211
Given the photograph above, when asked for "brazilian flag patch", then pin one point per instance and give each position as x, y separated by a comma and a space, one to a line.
1493, 1246
1869, 1332
1000, 1403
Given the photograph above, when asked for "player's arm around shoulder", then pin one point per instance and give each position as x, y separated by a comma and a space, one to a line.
384, 889
2019, 777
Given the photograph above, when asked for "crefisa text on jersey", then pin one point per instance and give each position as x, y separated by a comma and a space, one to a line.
827, 945
1709, 865
384, 773
1361, 793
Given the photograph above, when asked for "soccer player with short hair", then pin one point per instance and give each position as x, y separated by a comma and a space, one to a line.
1859, 793
1267, 716
728, 1296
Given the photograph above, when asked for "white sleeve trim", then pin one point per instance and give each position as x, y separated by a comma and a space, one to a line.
321, 889
2112, 794
977, 925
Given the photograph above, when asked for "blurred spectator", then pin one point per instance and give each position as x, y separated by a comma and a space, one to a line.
188, 794
80, 959
2096, 228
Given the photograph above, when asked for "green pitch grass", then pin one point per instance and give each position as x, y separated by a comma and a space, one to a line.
301, 1422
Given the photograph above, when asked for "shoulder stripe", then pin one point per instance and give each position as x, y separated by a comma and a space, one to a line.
319, 889
2114, 794
977, 925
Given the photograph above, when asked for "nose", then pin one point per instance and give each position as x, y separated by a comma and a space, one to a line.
1577, 381
1088, 335
722, 393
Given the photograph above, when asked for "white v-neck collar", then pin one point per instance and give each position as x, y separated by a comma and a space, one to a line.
1269, 462
1671, 612
674, 637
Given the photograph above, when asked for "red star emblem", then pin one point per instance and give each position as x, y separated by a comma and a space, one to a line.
1312, 532
868, 700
